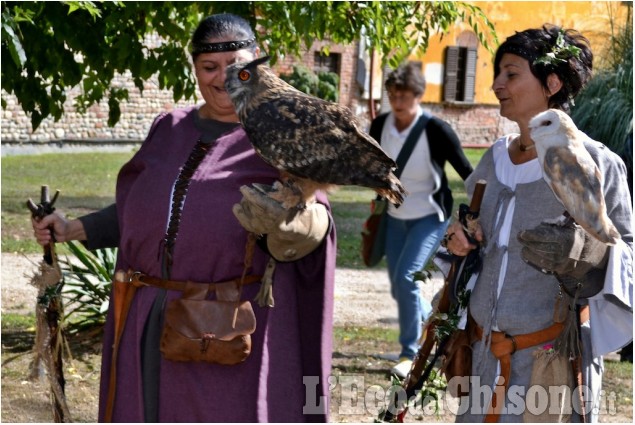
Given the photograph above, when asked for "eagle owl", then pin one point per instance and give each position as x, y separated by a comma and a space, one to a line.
571, 173
315, 144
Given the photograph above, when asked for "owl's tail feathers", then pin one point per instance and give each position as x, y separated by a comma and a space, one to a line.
395, 194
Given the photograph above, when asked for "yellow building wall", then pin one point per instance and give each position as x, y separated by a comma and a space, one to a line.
591, 18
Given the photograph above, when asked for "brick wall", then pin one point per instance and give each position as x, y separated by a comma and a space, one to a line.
349, 89
478, 125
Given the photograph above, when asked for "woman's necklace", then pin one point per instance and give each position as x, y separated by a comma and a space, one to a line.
522, 147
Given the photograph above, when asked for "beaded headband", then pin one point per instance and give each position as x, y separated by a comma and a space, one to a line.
225, 46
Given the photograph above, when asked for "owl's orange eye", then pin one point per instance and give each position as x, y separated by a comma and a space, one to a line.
244, 75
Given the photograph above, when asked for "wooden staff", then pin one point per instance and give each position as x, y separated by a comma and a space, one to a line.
49, 311
421, 368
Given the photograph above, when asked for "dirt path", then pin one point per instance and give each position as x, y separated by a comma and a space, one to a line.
362, 297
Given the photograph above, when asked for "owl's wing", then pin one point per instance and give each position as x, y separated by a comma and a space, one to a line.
315, 139
576, 181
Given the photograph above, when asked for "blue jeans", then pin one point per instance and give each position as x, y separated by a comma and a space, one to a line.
409, 246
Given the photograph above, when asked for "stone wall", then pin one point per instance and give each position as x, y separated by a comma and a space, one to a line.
137, 115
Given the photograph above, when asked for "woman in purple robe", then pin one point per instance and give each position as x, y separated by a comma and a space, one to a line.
183, 212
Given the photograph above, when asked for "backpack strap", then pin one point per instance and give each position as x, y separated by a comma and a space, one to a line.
377, 127
410, 143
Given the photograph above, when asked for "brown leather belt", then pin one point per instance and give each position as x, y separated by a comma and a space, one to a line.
139, 279
504, 345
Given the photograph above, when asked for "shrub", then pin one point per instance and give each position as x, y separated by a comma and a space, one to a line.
87, 285
324, 85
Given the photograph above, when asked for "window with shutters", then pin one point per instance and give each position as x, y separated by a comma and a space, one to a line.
460, 74
327, 63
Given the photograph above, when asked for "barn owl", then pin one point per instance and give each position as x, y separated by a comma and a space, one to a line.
315, 144
571, 173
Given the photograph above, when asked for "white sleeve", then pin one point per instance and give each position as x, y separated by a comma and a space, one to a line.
612, 308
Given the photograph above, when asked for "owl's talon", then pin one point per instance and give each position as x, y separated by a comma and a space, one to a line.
263, 188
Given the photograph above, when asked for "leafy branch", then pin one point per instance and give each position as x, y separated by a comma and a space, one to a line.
50, 48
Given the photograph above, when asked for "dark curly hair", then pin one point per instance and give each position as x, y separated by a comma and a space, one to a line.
407, 76
533, 44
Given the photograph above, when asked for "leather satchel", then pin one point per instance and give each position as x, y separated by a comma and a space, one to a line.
456, 361
456, 358
374, 233
201, 330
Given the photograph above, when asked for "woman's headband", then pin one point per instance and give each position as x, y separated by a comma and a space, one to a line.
225, 46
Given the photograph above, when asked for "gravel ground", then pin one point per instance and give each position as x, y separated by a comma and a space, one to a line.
18, 296
362, 297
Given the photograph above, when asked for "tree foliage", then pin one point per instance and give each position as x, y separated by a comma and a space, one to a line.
604, 108
49, 48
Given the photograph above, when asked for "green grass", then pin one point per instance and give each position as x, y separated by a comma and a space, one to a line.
18, 322
348, 333
619, 370
87, 183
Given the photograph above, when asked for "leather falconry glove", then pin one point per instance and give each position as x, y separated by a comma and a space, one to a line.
573, 255
291, 235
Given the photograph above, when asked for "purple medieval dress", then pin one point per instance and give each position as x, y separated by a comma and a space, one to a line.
284, 378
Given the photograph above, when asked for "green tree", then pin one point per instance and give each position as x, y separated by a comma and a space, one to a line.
604, 109
50, 47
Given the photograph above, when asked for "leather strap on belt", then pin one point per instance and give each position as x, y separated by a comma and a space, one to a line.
585, 314
503, 346
122, 294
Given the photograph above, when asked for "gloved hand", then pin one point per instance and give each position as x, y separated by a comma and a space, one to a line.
574, 256
291, 234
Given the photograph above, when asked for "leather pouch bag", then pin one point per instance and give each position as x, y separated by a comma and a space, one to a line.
201, 330
457, 362
374, 233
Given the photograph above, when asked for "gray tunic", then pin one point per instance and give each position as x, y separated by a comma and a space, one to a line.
527, 299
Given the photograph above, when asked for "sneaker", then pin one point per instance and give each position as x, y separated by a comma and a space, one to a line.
402, 368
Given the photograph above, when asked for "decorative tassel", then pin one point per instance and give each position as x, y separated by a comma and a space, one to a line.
264, 298
48, 345
568, 342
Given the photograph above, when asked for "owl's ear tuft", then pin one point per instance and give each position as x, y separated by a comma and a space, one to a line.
259, 61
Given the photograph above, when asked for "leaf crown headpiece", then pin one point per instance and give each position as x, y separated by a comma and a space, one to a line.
559, 53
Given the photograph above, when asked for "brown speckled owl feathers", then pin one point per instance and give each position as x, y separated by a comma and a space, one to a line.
315, 143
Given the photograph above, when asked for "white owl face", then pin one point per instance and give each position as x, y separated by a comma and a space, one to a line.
544, 124
551, 128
